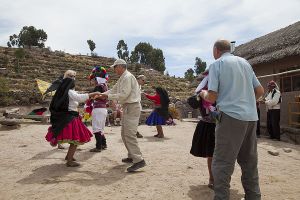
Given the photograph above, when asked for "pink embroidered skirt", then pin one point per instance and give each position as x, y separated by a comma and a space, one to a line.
74, 132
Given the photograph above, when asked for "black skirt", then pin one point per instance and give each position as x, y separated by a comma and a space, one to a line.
203, 143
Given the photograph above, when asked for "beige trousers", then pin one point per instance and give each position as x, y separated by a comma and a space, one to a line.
130, 121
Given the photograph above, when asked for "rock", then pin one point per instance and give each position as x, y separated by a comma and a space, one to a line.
13, 110
287, 150
10, 122
273, 152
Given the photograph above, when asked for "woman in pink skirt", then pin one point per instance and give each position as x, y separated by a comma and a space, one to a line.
66, 125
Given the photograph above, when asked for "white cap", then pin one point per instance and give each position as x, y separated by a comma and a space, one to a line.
118, 62
142, 77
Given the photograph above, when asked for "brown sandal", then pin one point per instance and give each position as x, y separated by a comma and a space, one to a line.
72, 164
60, 146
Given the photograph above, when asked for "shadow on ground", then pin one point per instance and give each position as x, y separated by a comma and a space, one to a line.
155, 139
205, 193
59, 173
9, 128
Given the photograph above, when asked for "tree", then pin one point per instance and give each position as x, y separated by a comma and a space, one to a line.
144, 53
19, 54
13, 40
28, 36
141, 53
157, 60
199, 66
189, 74
92, 45
123, 52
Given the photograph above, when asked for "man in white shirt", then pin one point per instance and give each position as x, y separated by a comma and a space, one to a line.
127, 92
272, 102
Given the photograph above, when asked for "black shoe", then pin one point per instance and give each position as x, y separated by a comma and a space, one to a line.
95, 150
136, 166
104, 147
127, 160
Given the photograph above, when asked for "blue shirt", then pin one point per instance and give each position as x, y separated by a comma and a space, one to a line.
232, 77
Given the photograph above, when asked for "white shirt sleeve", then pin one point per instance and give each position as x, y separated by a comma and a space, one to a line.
78, 97
213, 78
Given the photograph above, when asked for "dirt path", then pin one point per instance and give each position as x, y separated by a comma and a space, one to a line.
31, 169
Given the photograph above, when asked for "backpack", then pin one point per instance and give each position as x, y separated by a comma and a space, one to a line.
273, 93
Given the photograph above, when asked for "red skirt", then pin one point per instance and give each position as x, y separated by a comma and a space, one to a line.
74, 132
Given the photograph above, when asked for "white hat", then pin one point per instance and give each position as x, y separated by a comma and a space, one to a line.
142, 77
118, 62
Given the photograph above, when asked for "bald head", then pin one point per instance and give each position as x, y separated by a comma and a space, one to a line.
220, 47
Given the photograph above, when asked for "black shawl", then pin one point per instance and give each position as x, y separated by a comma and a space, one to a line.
164, 101
60, 116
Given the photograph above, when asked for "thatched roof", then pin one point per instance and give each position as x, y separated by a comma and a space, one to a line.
273, 46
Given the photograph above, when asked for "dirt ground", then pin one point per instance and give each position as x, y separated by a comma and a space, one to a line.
31, 169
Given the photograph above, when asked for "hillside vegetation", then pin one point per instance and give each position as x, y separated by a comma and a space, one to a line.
21, 89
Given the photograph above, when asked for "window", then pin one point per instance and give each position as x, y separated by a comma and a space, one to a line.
290, 82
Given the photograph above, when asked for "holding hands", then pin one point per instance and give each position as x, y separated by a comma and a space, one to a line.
94, 94
100, 96
262, 100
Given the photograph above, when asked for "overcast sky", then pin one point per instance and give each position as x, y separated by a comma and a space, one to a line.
183, 29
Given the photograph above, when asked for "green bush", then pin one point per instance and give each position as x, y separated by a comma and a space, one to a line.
5, 98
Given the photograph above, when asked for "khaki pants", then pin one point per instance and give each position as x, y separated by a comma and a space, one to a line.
130, 121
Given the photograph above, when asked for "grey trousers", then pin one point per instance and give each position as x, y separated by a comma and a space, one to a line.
235, 140
130, 122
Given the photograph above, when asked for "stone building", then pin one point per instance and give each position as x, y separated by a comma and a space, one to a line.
276, 53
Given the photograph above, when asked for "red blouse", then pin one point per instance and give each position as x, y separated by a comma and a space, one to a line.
155, 98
